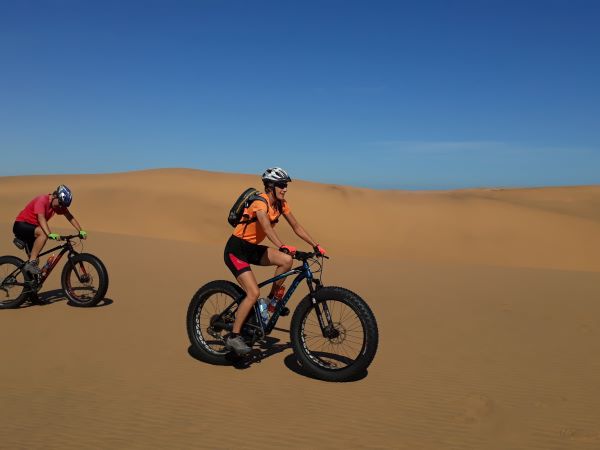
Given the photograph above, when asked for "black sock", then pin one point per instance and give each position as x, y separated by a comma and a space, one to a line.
233, 335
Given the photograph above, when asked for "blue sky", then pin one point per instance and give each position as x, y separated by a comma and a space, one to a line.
382, 94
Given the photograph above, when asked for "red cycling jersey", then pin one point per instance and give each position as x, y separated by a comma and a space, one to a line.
42, 204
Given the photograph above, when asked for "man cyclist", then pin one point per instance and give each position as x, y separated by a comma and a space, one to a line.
243, 247
31, 225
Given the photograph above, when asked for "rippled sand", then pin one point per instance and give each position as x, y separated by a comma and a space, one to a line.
486, 302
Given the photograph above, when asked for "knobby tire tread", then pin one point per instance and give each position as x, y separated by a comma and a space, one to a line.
17, 262
102, 278
196, 304
361, 308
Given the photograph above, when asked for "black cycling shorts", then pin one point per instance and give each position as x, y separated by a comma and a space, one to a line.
239, 254
26, 232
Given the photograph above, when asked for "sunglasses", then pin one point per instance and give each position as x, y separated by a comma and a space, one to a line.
281, 185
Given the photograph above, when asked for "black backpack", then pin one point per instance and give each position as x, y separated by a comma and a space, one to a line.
236, 213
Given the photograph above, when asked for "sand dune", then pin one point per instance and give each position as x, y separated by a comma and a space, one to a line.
555, 228
485, 300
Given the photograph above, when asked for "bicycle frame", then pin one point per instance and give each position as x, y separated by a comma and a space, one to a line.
303, 273
67, 247
64, 249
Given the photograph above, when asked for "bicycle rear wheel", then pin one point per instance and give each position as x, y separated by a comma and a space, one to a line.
84, 280
346, 346
13, 282
205, 320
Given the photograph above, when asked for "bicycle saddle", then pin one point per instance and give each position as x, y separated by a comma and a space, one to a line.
21, 245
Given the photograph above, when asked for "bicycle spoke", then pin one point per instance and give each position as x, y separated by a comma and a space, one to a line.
340, 344
83, 281
12, 283
213, 306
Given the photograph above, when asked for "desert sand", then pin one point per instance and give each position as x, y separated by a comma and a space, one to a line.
487, 302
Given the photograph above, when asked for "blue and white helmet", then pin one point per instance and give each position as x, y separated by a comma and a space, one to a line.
64, 195
276, 175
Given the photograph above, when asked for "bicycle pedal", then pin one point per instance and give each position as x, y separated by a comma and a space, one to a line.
285, 311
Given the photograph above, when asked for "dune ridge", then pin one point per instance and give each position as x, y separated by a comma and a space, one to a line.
555, 228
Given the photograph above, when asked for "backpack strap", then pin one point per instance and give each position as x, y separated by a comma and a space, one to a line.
254, 219
249, 202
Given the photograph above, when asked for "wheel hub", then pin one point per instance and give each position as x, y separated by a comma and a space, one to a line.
336, 333
213, 329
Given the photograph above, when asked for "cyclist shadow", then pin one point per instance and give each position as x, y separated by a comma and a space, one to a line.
58, 295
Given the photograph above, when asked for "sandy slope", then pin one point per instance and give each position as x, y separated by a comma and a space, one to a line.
486, 302
546, 228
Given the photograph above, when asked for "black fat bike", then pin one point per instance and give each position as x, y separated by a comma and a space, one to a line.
333, 332
84, 277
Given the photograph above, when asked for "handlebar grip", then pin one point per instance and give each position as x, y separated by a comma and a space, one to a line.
71, 236
300, 256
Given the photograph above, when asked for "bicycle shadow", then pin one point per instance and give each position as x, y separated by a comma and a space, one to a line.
292, 363
267, 348
48, 298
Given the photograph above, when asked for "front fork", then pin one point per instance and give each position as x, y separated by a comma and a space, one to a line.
81, 274
324, 316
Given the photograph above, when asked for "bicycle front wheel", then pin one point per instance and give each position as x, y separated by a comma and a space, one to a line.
13, 292
84, 280
343, 344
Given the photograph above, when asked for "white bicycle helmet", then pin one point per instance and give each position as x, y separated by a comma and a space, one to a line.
276, 175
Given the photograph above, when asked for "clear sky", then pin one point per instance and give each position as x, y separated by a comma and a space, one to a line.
384, 94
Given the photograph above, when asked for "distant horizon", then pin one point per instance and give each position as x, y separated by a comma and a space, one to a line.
325, 182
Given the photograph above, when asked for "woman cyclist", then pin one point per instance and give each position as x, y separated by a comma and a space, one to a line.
243, 249
31, 225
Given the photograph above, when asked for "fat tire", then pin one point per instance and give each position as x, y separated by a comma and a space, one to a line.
199, 349
24, 295
102, 279
103, 269
371, 335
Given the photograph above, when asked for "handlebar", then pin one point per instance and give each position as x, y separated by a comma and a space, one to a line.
69, 237
303, 256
